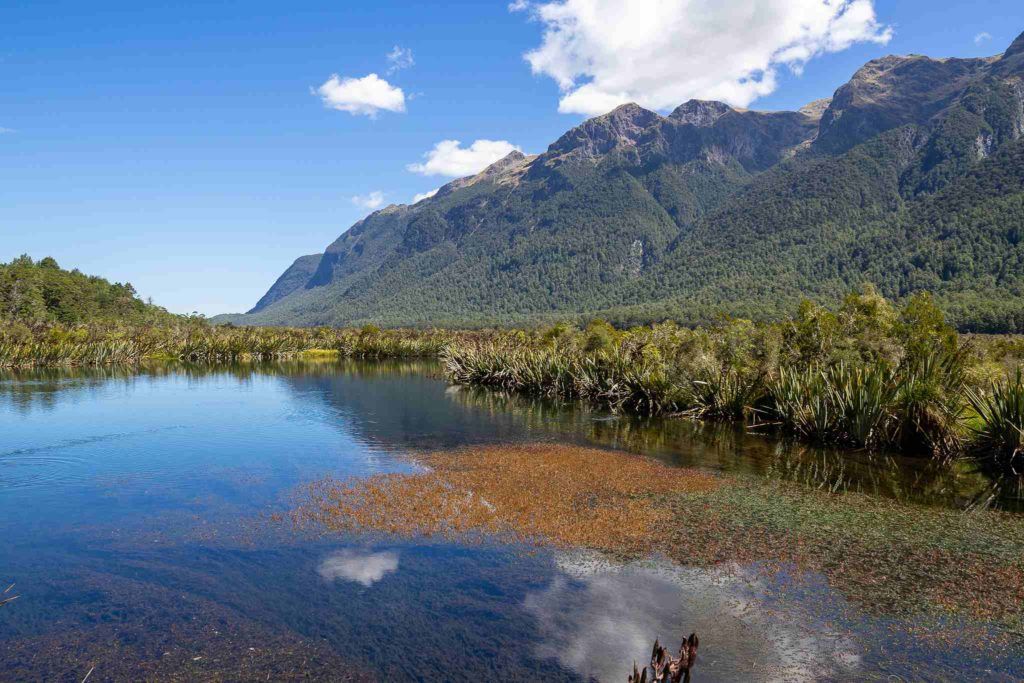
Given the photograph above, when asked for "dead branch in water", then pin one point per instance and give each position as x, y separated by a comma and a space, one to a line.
4, 601
667, 669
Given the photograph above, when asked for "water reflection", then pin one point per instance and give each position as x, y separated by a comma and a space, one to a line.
730, 448
400, 405
366, 568
598, 617
122, 493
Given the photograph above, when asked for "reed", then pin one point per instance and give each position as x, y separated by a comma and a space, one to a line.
727, 394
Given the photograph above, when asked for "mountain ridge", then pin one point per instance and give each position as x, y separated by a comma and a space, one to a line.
680, 215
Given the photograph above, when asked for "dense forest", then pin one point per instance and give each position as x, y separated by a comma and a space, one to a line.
36, 292
911, 179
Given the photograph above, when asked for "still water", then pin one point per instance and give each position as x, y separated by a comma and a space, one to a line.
135, 510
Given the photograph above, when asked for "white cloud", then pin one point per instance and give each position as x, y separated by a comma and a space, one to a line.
603, 53
450, 158
4, 131
982, 37
518, 6
367, 95
364, 568
424, 195
399, 58
369, 201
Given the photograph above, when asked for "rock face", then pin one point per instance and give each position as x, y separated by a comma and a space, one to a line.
700, 113
696, 130
707, 208
890, 92
507, 170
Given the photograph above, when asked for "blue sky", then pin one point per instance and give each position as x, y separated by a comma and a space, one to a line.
189, 151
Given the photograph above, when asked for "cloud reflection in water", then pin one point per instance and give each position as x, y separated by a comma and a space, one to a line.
596, 618
366, 568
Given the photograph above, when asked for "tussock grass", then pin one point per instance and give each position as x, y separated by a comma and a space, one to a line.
867, 376
864, 376
999, 429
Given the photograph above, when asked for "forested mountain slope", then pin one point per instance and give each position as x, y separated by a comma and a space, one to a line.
909, 177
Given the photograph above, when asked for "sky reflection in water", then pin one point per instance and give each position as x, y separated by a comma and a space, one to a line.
133, 506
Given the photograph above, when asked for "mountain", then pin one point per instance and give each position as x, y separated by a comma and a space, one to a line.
42, 292
295, 278
911, 176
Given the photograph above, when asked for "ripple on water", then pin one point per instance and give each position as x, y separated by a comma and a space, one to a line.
24, 468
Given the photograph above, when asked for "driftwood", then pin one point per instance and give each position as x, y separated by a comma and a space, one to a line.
667, 669
3, 600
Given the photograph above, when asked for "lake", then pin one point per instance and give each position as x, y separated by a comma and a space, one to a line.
137, 508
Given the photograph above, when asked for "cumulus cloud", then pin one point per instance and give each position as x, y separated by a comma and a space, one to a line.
450, 158
603, 53
399, 58
367, 95
424, 195
358, 567
369, 201
982, 37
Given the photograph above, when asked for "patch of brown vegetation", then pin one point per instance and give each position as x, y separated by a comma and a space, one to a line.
540, 493
883, 556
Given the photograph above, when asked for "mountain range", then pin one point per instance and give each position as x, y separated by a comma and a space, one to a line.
910, 177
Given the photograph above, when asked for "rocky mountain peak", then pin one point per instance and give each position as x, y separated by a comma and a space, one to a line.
631, 112
816, 108
509, 163
632, 211
890, 92
700, 113
626, 124
513, 158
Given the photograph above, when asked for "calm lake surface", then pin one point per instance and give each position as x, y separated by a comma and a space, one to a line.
135, 511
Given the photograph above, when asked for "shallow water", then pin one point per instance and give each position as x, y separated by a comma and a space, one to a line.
134, 511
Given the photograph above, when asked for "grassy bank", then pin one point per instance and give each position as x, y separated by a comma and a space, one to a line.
105, 344
867, 375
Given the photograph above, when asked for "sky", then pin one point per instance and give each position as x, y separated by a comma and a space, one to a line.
196, 151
